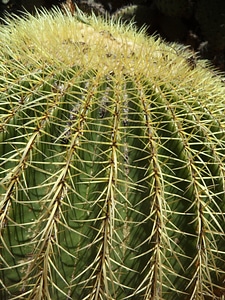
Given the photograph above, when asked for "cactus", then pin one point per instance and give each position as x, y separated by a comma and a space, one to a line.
111, 164
89, 7
141, 15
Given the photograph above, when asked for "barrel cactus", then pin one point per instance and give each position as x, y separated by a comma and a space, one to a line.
111, 166
139, 14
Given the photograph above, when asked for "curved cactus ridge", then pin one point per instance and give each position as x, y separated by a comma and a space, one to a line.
111, 166
139, 14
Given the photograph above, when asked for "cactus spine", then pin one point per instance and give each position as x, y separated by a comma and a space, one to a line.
111, 164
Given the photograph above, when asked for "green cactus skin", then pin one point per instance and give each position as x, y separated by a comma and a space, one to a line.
111, 164
210, 15
175, 8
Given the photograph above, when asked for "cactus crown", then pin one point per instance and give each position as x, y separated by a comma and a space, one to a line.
111, 164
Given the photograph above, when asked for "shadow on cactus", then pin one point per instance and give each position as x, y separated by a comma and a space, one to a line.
111, 166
